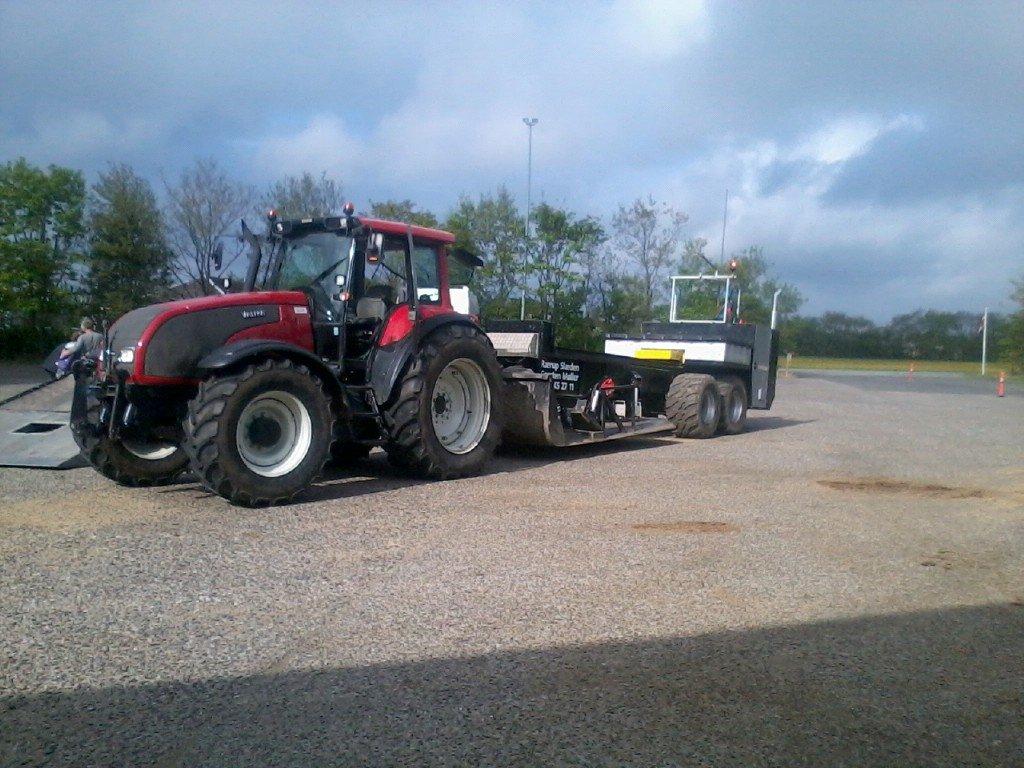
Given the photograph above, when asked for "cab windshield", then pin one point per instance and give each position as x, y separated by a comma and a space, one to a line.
314, 261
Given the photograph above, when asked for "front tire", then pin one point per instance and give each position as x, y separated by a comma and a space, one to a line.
260, 435
445, 418
131, 462
693, 405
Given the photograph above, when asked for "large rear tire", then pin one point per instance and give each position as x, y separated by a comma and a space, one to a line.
259, 435
444, 420
734, 406
693, 405
131, 462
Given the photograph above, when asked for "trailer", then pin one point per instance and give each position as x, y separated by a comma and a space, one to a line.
662, 380
706, 327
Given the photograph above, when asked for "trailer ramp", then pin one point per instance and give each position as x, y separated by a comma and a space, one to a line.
34, 429
532, 418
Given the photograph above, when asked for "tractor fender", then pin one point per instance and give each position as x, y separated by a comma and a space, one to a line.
389, 362
240, 352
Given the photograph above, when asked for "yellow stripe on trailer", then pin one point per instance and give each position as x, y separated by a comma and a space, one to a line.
660, 354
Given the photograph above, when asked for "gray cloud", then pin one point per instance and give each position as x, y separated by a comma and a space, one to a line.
875, 150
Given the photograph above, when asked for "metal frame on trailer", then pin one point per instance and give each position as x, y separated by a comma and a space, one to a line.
673, 305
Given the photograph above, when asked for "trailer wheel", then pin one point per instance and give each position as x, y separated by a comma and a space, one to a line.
734, 406
132, 462
445, 419
259, 435
693, 405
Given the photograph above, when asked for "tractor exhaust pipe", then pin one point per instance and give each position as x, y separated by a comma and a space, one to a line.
775, 308
255, 257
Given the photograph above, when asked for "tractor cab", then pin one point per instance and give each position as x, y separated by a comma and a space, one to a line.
367, 281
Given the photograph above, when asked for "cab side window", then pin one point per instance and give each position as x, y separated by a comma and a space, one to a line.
385, 277
428, 280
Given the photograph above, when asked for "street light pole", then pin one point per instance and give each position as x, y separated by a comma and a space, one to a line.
529, 122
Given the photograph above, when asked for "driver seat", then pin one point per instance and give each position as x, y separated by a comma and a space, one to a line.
375, 302
371, 308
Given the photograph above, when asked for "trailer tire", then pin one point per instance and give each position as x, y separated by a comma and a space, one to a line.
261, 434
693, 405
455, 372
734, 406
113, 459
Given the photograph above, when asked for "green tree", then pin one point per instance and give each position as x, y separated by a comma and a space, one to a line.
646, 233
403, 211
562, 244
41, 226
296, 197
129, 261
493, 228
620, 304
1012, 344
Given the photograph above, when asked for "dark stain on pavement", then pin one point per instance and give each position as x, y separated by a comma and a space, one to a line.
687, 526
886, 485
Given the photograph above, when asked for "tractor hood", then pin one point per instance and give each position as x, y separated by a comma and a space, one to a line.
161, 343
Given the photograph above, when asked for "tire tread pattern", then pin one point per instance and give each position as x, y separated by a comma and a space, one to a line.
682, 405
406, 445
101, 453
202, 426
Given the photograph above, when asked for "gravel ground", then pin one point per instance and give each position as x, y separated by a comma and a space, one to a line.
841, 585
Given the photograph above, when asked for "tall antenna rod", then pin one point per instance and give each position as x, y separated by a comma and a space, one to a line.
725, 218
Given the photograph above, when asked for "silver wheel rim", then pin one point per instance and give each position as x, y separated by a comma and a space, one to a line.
709, 406
150, 451
274, 433
460, 406
735, 407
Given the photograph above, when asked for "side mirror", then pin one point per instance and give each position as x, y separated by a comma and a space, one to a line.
217, 257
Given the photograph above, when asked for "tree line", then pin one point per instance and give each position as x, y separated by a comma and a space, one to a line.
68, 250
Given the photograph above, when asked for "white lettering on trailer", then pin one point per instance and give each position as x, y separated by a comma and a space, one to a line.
565, 376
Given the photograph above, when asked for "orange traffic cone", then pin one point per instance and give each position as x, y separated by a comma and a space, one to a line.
1001, 385
910, 373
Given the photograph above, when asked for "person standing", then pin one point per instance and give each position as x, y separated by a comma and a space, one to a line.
87, 344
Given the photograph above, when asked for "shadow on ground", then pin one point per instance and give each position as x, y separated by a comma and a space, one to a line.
760, 423
376, 475
936, 688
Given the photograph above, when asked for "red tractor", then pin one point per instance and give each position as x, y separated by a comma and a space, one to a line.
344, 338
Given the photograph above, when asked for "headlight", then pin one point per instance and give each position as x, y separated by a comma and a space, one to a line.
126, 355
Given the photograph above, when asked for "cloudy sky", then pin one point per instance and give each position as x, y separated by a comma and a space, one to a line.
876, 151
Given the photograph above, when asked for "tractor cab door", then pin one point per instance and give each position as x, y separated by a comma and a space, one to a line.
319, 264
380, 284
